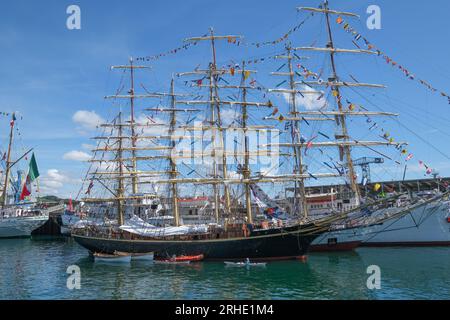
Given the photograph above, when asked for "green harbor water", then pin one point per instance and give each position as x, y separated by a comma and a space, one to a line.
37, 269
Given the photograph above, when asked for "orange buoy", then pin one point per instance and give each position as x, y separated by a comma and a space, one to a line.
303, 258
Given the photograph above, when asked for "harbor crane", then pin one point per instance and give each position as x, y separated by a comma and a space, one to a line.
365, 163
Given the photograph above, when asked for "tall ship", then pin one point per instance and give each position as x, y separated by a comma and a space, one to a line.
213, 142
236, 232
19, 215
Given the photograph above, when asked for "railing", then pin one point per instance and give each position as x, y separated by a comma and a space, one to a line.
58, 207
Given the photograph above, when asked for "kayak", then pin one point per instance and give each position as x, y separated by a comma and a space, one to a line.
245, 264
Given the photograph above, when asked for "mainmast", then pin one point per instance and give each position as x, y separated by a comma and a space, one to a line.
120, 182
133, 140
246, 169
212, 68
173, 166
8, 160
216, 105
215, 120
295, 135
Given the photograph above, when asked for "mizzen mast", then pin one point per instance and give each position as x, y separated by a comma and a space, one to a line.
299, 168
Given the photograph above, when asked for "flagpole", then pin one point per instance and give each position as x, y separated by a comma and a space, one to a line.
8, 160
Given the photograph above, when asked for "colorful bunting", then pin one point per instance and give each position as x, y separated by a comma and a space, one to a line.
173, 51
409, 75
285, 36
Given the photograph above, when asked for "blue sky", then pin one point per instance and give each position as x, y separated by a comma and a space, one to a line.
49, 72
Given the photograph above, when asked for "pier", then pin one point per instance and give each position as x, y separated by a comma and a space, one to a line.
53, 225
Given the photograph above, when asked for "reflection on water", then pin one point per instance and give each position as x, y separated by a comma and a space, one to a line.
37, 270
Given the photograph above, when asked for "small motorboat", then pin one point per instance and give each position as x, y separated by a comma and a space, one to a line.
245, 263
117, 257
149, 256
180, 259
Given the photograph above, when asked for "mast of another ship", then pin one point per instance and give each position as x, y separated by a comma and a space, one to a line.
343, 139
341, 119
8, 160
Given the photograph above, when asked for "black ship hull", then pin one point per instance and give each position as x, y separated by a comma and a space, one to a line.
268, 245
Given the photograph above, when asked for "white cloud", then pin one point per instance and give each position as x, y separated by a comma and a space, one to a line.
87, 120
76, 156
53, 181
308, 101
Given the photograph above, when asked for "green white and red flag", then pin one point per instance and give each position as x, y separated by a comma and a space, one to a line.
33, 174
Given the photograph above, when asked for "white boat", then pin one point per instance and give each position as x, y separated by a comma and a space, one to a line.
19, 223
424, 225
149, 256
112, 258
338, 240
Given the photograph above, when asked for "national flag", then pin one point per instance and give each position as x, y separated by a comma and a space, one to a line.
91, 185
33, 174
12, 120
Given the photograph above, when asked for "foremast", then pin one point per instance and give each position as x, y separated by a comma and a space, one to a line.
131, 96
